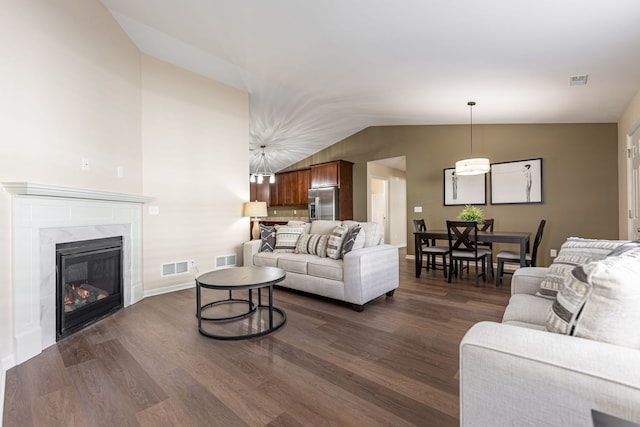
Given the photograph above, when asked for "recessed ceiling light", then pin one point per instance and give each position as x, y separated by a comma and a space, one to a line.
578, 80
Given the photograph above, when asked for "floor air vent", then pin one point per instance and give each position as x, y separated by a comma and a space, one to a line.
225, 261
174, 268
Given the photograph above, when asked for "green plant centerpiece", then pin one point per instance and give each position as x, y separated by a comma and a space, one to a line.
471, 213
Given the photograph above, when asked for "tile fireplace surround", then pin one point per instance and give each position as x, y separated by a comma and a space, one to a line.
44, 215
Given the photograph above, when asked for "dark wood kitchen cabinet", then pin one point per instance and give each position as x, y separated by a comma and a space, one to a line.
331, 174
260, 192
339, 174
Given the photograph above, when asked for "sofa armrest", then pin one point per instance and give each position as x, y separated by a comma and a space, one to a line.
527, 280
370, 272
249, 249
517, 376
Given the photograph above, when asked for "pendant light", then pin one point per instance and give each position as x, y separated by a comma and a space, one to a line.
262, 170
472, 165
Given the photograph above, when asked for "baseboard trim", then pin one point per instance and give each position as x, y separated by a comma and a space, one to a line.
169, 289
7, 363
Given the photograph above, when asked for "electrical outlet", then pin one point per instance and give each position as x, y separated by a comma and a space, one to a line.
154, 210
85, 164
119, 171
553, 253
295, 212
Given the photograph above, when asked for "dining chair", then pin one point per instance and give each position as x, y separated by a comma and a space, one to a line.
430, 249
463, 236
487, 225
514, 257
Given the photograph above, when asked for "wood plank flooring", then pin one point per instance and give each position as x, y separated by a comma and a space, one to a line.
394, 364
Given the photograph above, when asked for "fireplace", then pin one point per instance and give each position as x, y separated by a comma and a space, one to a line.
44, 216
89, 282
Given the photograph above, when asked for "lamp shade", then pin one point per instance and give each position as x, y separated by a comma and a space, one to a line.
255, 209
474, 166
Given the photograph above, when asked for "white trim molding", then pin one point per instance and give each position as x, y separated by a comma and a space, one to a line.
34, 189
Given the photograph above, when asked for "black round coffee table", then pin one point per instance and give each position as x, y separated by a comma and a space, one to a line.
237, 279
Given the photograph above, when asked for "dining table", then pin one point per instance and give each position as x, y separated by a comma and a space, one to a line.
520, 238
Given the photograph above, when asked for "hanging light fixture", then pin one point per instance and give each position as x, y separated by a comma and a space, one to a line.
263, 170
473, 165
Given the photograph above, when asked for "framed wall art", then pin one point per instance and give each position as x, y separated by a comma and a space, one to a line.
464, 189
516, 182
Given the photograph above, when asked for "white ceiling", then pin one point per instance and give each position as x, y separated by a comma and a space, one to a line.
319, 71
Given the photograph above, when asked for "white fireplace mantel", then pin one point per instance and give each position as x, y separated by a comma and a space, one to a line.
34, 189
44, 215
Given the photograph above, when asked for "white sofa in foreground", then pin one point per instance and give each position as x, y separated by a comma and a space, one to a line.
519, 373
365, 273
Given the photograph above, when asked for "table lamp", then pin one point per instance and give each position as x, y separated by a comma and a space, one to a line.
255, 209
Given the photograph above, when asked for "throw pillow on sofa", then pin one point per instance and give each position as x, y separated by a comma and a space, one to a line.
268, 238
573, 252
286, 238
336, 239
312, 244
351, 241
600, 301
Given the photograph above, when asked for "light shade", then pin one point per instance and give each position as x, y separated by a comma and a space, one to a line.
475, 166
255, 209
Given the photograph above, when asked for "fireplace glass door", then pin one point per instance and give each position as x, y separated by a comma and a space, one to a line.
89, 282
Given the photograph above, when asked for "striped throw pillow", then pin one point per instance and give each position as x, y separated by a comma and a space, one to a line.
313, 244
574, 251
286, 238
336, 239
350, 240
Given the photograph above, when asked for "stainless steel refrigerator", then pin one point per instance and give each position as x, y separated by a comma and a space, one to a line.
323, 203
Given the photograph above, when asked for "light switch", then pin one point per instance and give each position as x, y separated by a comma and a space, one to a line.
154, 210
417, 209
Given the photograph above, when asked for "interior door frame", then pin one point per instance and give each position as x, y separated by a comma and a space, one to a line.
633, 183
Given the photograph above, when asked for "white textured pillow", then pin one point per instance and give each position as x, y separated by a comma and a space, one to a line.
600, 301
286, 238
612, 310
336, 238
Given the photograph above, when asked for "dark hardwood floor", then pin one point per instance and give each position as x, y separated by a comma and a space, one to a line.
394, 364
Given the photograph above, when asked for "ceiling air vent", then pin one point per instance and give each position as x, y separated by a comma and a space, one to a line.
579, 80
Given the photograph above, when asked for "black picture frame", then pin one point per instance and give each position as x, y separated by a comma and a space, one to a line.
517, 182
463, 189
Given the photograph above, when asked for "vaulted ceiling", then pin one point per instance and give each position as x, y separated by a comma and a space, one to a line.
319, 71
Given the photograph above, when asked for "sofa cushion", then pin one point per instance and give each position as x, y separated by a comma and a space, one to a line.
268, 238
266, 259
323, 226
336, 239
529, 309
574, 251
286, 238
372, 232
294, 263
326, 268
312, 244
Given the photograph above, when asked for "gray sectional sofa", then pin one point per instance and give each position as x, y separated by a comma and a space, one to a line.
365, 273
568, 346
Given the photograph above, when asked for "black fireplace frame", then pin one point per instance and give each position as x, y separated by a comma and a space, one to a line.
69, 323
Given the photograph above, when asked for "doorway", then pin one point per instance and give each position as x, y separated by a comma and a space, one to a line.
387, 198
634, 183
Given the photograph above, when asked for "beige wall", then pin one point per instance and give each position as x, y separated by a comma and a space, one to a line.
580, 173
73, 85
195, 144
